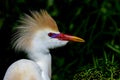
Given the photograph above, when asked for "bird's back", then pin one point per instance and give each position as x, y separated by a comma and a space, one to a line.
23, 70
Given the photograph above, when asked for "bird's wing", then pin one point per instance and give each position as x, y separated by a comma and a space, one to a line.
23, 70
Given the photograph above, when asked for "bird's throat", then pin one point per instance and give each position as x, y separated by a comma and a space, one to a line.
43, 59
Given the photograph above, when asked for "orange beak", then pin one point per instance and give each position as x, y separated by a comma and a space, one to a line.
66, 37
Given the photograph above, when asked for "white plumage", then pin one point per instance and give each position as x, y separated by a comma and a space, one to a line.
36, 35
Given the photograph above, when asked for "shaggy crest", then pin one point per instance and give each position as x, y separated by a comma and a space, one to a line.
38, 21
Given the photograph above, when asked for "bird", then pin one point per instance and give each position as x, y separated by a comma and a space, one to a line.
36, 34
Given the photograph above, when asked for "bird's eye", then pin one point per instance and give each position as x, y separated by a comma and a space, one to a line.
52, 35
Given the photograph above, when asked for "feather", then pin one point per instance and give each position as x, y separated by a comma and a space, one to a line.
38, 21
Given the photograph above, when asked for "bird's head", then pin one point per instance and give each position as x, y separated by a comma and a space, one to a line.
40, 31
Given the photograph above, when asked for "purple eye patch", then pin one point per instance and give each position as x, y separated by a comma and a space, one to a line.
53, 35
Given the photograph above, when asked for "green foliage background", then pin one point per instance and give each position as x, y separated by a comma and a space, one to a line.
97, 21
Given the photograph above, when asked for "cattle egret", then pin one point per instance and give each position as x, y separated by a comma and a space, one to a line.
36, 35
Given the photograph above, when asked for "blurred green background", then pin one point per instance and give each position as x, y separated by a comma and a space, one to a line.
96, 21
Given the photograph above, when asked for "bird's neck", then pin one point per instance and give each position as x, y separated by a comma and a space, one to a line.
43, 59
